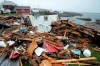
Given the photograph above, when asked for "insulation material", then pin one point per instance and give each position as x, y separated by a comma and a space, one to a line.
11, 42
2, 44
39, 51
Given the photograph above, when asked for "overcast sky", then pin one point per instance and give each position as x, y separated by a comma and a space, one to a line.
66, 5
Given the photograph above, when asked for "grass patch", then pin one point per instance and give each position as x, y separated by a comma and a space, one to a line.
94, 53
26, 64
10, 14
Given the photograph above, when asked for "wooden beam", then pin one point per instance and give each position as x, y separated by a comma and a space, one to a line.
31, 48
52, 42
73, 60
65, 33
49, 58
26, 39
78, 63
45, 63
95, 49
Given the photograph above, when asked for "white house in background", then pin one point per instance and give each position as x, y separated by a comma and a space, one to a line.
7, 6
35, 9
43, 22
40, 10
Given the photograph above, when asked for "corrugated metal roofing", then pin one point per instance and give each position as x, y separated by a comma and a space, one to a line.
22, 7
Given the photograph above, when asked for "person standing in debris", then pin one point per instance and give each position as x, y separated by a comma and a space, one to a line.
26, 21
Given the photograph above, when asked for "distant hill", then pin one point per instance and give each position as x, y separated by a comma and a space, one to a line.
69, 14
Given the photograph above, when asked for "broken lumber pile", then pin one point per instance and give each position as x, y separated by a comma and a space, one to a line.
63, 45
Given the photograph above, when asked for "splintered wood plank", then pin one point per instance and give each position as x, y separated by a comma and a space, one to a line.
26, 39
50, 42
49, 58
31, 48
95, 49
1, 50
20, 62
46, 63
65, 33
73, 60
58, 64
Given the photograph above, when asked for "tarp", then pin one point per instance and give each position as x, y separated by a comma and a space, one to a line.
2, 44
48, 47
8, 62
2, 58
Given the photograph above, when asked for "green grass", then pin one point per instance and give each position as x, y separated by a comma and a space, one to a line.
96, 54
26, 64
10, 14
93, 54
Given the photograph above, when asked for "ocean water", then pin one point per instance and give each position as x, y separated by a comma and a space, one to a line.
93, 16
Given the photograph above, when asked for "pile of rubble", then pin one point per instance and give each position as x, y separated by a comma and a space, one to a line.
76, 31
21, 44
10, 20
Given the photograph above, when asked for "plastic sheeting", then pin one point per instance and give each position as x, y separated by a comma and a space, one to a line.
8, 62
2, 44
39, 51
2, 58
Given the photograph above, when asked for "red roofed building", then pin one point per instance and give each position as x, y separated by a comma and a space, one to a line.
23, 9
11, 7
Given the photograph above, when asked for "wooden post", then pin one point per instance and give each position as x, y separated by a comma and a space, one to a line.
65, 33
49, 58
73, 60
